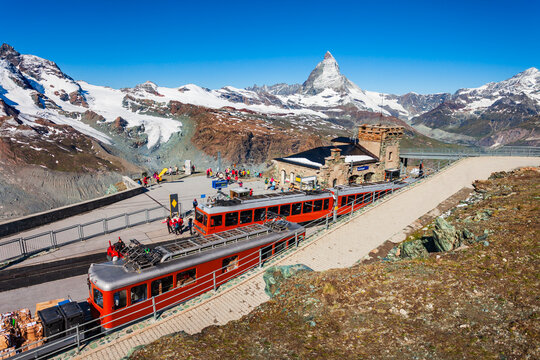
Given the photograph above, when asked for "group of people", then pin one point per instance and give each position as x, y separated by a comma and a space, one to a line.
232, 173
176, 225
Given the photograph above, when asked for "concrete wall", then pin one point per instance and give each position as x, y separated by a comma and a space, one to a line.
46, 217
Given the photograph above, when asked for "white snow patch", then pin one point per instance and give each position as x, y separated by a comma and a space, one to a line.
304, 161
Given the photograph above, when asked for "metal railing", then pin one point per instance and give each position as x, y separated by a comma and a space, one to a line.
423, 153
26, 246
83, 334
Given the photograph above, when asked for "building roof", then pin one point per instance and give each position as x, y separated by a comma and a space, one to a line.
314, 158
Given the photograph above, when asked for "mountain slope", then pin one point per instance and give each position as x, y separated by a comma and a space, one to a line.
490, 110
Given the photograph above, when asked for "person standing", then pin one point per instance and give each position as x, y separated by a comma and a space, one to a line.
195, 203
190, 226
180, 224
169, 224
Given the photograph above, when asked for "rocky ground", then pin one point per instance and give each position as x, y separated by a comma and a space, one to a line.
476, 299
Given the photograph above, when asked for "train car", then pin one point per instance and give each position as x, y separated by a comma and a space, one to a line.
295, 206
145, 281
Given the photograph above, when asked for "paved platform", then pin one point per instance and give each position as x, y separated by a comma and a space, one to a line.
187, 189
340, 247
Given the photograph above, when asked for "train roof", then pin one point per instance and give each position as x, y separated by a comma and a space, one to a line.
115, 275
273, 199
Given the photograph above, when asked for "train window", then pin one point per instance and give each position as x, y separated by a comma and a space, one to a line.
317, 205
308, 207
231, 219
343, 201
296, 209
290, 243
185, 277
139, 293
160, 286
273, 209
350, 199
98, 298
260, 214
266, 252
199, 216
378, 195
216, 220
279, 247
362, 198
285, 210
246, 216
229, 264
119, 299
326, 204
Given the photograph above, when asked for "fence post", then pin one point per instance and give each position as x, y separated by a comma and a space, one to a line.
23, 248
352, 210
78, 338
105, 230
154, 307
296, 239
53, 239
147, 216
326, 221
214, 276
81, 234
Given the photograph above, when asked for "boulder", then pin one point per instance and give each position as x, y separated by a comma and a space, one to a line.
275, 275
413, 249
445, 236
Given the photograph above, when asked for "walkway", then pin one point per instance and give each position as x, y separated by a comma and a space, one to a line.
340, 247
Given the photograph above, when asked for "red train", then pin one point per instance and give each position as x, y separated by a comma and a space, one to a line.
295, 206
146, 281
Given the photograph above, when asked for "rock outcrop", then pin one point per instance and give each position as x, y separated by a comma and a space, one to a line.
275, 275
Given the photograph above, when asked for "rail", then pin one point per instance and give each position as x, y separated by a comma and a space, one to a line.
423, 153
25, 246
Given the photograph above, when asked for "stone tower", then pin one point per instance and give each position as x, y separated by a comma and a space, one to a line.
383, 141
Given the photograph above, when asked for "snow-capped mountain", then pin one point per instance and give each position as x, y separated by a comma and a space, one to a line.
482, 113
326, 90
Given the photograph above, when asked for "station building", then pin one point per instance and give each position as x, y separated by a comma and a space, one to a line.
373, 156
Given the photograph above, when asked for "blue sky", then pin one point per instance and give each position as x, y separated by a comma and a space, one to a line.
387, 46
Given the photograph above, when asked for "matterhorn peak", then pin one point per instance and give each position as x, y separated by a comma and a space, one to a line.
325, 76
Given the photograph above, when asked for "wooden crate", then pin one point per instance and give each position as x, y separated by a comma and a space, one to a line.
47, 304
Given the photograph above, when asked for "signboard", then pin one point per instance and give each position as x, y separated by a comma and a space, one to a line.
218, 184
298, 179
203, 196
360, 168
173, 202
309, 179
